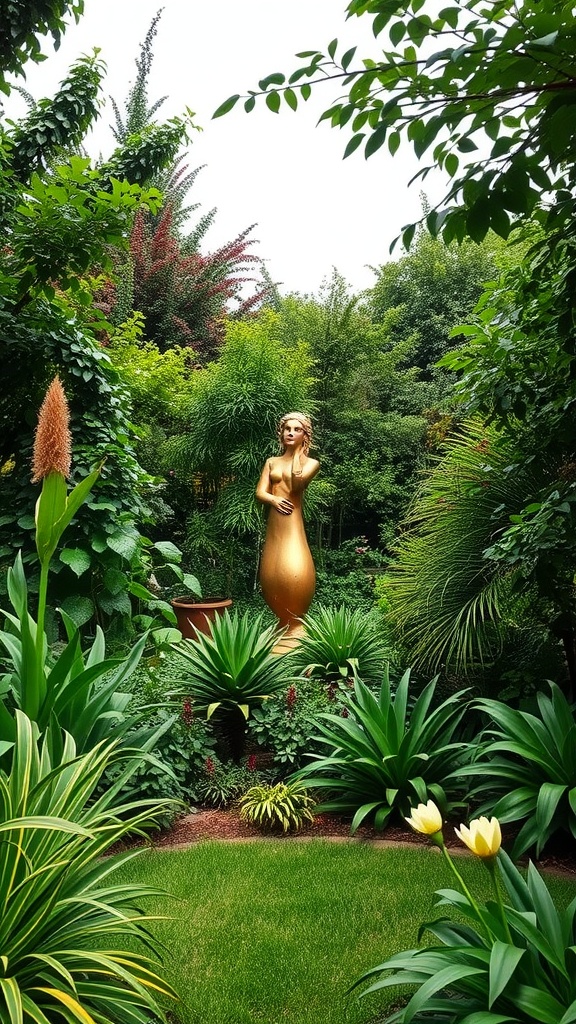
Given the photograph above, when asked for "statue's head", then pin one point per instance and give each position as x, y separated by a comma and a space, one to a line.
304, 421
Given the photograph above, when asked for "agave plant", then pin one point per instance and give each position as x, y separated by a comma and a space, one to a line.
338, 643
529, 763
232, 670
60, 913
384, 757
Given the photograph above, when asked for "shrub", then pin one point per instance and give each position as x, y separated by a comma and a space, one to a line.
284, 724
287, 805
220, 783
338, 643
60, 913
233, 670
384, 757
529, 763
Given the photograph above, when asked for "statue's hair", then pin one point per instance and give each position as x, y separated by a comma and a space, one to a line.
306, 425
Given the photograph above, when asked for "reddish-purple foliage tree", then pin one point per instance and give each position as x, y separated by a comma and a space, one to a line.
185, 298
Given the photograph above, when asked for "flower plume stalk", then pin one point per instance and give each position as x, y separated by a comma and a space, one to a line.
53, 441
426, 819
483, 837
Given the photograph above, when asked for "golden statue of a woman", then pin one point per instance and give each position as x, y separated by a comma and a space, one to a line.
287, 574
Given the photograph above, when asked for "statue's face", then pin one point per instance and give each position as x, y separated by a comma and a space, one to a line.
292, 434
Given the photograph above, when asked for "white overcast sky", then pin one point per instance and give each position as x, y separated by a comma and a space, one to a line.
312, 209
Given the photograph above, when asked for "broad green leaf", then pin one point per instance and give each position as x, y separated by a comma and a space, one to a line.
503, 962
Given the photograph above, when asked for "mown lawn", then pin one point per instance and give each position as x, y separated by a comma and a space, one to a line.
271, 932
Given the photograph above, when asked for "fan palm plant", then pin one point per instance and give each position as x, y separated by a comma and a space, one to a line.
384, 757
60, 913
232, 670
446, 596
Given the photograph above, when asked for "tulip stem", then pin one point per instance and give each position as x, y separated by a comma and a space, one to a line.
466, 891
491, 865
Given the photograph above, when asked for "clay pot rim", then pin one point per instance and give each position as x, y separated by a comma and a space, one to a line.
204, 602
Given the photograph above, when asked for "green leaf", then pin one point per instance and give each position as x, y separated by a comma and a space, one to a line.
49, 509
273, 101
80, 609
353, 144
168, 550
226, 107
291, 98
504, 960
78, 559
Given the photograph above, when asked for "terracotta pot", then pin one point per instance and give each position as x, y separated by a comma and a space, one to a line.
194, 616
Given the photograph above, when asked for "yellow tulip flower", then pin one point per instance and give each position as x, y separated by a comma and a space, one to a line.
483, 837
426, 818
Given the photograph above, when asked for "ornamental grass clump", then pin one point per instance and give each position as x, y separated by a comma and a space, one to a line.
75, 945
338, 643
286, 806
506, 960
384, 756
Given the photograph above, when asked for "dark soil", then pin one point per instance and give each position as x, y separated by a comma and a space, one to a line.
209, 824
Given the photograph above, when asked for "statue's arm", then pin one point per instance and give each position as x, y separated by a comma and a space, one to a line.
265, 495
264, 487
301, 478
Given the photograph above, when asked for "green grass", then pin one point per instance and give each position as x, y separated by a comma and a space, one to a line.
265, 933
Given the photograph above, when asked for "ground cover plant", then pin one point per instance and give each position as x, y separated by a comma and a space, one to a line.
279, 930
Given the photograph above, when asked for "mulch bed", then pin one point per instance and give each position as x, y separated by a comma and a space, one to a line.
209, 824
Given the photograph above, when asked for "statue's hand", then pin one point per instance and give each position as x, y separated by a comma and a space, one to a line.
284, 506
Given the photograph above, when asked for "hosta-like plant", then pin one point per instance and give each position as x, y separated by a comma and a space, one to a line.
384, 756
286, 806
527, 768
69, 936
338, 643
232, 670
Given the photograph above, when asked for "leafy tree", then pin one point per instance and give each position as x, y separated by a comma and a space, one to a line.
487, 88
431, 290
184, 297
22, 23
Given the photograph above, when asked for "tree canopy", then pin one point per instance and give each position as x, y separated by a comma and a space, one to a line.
487, 89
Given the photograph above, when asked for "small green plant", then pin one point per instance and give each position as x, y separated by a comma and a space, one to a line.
222, 783
287, 806
384, 756
505, 962
339, 643
285, 723
233, 670
528, 766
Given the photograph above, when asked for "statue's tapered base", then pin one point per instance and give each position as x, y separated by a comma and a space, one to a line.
289, 641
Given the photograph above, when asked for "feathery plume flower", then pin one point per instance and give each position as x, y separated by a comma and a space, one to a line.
53, 441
